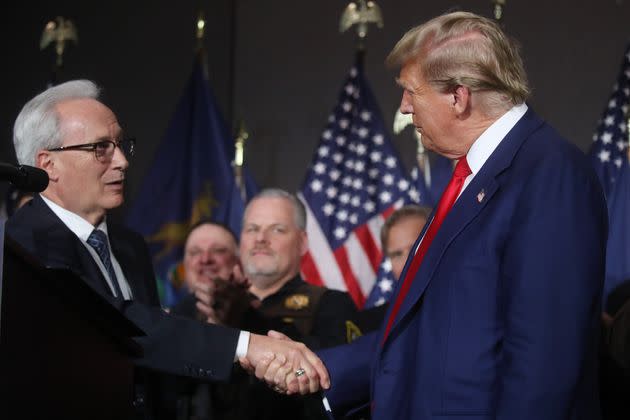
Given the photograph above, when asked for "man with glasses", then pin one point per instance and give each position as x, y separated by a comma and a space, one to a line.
104, 149
77, 140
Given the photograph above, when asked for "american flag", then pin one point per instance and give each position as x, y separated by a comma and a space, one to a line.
383, 287
609, 154
354, 182
610, 141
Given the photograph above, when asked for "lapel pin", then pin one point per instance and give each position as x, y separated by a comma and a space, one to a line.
481, 195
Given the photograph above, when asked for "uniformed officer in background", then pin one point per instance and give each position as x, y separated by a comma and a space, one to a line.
271, 295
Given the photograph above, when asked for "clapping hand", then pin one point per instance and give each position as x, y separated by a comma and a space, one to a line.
224, 302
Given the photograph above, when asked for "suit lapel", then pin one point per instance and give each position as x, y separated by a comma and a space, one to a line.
472, 201
68, 251
71, 253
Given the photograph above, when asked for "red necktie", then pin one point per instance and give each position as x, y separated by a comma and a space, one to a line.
462, 170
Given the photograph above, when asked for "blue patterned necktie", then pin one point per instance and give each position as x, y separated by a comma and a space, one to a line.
98, 241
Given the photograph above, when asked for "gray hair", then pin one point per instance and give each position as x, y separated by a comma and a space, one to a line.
299, 212
37, 126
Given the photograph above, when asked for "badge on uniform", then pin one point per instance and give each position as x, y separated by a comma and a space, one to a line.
481, 195
296, 302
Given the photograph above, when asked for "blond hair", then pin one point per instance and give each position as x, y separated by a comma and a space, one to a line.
464, 49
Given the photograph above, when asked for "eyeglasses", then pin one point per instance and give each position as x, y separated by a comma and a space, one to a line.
103, 150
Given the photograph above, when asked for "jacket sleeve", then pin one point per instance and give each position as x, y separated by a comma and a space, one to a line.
174, 344
183, 346
349, 367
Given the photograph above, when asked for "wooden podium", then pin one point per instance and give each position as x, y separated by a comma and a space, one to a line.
65, 352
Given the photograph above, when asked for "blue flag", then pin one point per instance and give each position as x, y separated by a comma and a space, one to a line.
191, 179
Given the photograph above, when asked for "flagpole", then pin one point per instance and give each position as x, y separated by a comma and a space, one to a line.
239, 159
360, 14
199, 47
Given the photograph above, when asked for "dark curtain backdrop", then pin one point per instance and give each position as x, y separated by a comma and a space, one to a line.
278, 65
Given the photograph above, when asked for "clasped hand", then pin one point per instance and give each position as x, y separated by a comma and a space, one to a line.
287, 366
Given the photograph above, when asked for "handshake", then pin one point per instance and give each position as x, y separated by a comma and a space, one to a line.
287, 366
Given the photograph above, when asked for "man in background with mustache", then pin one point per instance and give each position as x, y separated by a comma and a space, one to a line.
272, 243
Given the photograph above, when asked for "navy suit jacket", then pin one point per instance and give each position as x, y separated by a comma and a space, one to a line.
173, 345
502, 318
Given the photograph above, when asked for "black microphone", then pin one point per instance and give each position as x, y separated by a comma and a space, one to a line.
24, 177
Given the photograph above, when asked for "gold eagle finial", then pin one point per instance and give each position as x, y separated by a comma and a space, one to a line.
360, 13
498, 9
60, 31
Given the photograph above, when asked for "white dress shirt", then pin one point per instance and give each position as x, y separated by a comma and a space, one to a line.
490, 139
486, 144
82, 228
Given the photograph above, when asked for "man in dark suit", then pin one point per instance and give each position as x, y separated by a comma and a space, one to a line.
77, 140
496, 314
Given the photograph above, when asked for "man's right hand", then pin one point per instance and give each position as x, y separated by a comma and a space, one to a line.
285, 365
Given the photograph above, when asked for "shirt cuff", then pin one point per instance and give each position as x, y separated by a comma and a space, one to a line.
242, 346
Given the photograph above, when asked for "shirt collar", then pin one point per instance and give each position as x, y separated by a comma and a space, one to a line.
483, 147
78, 225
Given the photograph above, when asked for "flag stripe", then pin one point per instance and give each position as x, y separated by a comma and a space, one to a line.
321, 254
359, 260
310, 271
351, 282
369, 245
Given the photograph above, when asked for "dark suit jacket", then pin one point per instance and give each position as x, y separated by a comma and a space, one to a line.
172, 344
502, 318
